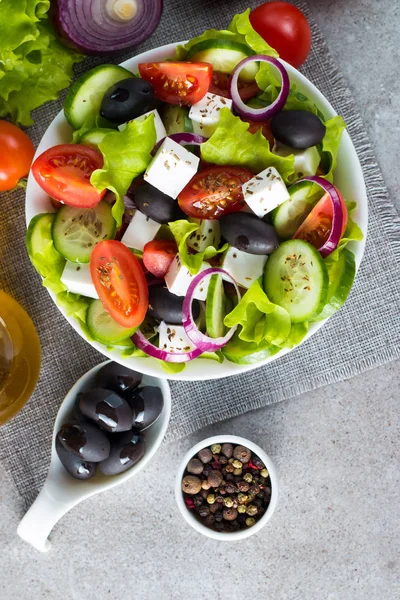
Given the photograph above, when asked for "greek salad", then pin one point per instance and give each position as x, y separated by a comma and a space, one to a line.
195, 211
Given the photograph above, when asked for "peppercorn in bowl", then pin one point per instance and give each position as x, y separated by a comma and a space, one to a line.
227, 487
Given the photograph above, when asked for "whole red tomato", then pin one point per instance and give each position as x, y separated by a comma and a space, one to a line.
16, 155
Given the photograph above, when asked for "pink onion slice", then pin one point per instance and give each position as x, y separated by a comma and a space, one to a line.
199, 339
337, 220
259, 114
173, 357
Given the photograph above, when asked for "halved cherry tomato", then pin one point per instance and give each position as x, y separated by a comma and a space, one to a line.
16, 155
317, 226
214, 192
64, 173
120, 282
220, 85
178, 82
158, 255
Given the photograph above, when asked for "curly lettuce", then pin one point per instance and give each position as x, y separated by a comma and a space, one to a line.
181, 231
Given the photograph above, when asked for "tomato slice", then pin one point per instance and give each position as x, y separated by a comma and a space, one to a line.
64, 173
214, 192
158, 255
317, 226
178, 82
221, 82
120, 282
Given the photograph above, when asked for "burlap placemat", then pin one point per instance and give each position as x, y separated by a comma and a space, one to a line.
365, 334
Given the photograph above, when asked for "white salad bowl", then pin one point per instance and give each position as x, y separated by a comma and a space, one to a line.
348, 178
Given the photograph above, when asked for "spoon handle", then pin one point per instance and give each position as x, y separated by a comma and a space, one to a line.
40, 519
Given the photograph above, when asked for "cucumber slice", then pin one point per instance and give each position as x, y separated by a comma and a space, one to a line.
77, 230
296, 278
85, 96
288, 217
341, 277
102, 326
94, 137
39, 243
215, 307
224, 55
176, 119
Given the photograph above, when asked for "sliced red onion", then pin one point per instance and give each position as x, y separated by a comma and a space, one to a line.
184, 138
105, 26
199, 339
337, 219
259, 114
173, 357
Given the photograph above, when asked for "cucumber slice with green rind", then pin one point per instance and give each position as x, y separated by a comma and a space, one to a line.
215, 307
288, 217
94, 137
224, 55
296, 278
39, 243
103, 328
176, 119
85, 96
341, 278
77, 230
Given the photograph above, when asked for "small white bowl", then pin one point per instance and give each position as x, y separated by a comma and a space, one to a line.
194, 521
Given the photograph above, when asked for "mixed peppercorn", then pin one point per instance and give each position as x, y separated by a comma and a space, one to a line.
227, 487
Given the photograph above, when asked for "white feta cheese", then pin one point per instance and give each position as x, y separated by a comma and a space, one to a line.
172, 168
245, 268
178, 279
265, 191
77, 279
140, 230
206, 113
161, 132
305, 161
208, 234
173, 338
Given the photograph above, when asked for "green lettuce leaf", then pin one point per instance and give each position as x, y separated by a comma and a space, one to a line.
353, 233
297, 332
330, 145
126, 154
245, 353
239, 30
172, 368
74, 306
47, 261
181, 231
260, 320
232, 144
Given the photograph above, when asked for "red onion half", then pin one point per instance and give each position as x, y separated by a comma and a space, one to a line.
259, 114
105, 26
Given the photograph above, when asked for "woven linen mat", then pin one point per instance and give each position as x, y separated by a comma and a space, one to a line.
365, 333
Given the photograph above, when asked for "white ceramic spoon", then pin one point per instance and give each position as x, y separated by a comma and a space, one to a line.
61, 491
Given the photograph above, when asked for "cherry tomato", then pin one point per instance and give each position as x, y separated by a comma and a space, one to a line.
158, 255
16, 155
285, 28
317, 226
220, 85
120, 282
64, 173
214, 192
178, 82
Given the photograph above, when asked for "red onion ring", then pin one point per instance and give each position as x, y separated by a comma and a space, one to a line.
337, 219
199, 339
173, 357
259, 114
183, 139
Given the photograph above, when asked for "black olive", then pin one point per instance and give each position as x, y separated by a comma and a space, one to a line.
248, 233
128, 99
126, 451
85, 440
146, 404
118, 378
76, 466
167, 307
156, 205
107, 409
297, 128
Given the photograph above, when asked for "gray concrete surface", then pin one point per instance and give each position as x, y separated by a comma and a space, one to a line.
335, 535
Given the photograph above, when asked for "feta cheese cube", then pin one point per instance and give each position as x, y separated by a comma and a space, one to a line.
208, 234
140, 230
305, 161
265, 191
178, 279
77, 279
206, 113
245, 268
173, 338
172, 168
161, 132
